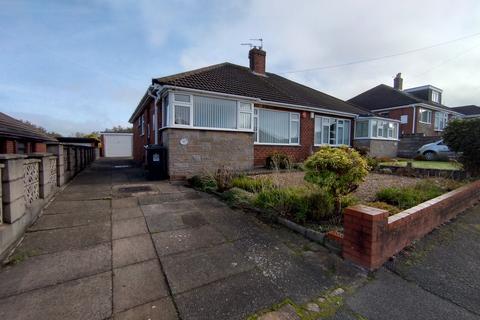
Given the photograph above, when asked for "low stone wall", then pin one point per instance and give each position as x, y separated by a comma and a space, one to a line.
192, 152
377, 148
28, 183
409, 144
424, 173
371, 236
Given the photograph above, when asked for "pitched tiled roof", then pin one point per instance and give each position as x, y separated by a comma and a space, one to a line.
469, 110
16, 129
238, 80
383, 96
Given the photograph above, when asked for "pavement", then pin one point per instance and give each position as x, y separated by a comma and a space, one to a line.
112, 245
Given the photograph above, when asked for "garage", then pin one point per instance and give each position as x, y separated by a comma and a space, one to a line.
117, 145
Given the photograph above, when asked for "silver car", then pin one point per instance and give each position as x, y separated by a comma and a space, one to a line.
435, 150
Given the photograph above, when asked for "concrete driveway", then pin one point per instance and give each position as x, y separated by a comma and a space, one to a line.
112, 245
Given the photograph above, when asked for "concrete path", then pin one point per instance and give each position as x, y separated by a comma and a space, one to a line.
112, 245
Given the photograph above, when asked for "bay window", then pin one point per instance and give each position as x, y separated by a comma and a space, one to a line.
441, 119
276, 127
374, 128
331, 131
196, 111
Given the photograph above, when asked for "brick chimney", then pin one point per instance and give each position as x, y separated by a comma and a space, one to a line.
398, 82
257, 60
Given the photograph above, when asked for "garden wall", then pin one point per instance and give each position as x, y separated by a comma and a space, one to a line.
424, 173
371, 236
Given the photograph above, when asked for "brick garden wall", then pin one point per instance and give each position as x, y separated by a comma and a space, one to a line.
371, 237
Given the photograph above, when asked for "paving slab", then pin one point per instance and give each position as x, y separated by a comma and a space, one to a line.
192, 269
444, 264
137, 284
128, 228
58, 206
129, 202
169, 197
286, 312
51, 269
295, 276
176, 241
174, 220
86, 298
390, 297
167, 207
54, 221
126, 213
41, 242
132, 250
162, 309
233, 298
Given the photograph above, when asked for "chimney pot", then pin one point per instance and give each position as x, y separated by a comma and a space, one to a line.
257, 59
398, 82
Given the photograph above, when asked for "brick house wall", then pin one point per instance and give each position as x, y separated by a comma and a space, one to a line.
405, 128
10, 146
428, 129
139, 141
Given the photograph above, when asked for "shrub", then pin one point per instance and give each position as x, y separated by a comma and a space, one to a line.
339, 171
463, 136
279, 160
372, 162
237, 196
252, 185
204, 183
223, 178
302, 203
408, 197
384, 206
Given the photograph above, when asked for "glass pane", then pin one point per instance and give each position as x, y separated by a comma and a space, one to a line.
318, 130
339, 132
333, 129
346, 133
295, 116
182, 97
294, 131
273, 127
245, 121
255, 127
325, 130
182, 115
214, 113
245, 107
361, 129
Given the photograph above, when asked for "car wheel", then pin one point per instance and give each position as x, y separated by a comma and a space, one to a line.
429, 155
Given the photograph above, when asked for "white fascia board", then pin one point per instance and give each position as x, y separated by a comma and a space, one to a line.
266, 102
379, 118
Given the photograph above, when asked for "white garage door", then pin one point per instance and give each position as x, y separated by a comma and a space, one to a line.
118, 145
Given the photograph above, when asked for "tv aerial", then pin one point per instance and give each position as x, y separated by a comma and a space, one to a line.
251, 45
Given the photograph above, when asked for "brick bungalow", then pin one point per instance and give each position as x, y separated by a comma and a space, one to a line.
419, 110
21, 138
235, 116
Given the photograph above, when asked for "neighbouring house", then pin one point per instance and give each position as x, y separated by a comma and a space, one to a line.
18, 137
117, 144
235, 116
420, 110
470, 111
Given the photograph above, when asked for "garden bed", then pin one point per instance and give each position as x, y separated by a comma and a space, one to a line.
435, 165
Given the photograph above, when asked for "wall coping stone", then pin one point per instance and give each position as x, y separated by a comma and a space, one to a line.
12, 156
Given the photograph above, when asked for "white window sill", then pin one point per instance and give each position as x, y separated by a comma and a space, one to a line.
330, 145
424, 122
277, 144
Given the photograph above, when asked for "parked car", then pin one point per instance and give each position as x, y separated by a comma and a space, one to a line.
435, 151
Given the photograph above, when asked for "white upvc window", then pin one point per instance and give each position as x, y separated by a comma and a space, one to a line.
376, 129
141, 124
207, 112
331, 131
435, 96
441, 120
276, 127
425, 116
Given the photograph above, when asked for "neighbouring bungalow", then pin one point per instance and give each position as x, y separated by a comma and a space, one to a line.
470, 111
420, 110
235, 116
21, 138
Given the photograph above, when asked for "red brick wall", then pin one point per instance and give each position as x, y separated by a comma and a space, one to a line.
39, 147
397, 113
371, 237
7, 146
297, 153
148, 138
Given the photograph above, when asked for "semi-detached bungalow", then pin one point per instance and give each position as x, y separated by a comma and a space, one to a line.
234, 116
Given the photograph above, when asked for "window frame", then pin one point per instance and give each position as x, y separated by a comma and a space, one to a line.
437, 95
257, 132
375, 126
141, 124
429, 117
183, 104
324, 120
442, 116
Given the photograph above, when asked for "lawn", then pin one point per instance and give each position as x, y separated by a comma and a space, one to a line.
439, 165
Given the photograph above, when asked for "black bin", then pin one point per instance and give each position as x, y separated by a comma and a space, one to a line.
157, 168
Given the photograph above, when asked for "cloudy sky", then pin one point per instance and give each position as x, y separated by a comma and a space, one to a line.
83, 65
